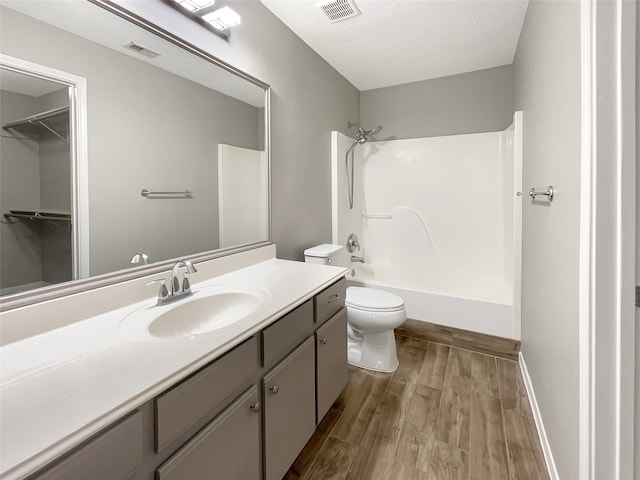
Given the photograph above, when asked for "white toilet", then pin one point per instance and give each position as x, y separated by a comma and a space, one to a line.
372, 315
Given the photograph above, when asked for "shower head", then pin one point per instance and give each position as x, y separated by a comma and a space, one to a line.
362, 136
373, 131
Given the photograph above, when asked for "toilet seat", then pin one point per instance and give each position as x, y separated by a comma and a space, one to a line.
372, 300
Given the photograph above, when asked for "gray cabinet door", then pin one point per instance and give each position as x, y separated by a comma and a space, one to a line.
289, 409
111, 455
226, 449
331, 353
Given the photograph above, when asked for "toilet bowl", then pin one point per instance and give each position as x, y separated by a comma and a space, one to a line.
372, 315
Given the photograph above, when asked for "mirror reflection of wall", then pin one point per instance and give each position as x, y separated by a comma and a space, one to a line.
152, 123
35, 185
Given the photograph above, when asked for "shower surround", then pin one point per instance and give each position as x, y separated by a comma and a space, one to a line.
439, 221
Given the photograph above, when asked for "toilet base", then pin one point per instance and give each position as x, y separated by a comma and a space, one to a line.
374, 351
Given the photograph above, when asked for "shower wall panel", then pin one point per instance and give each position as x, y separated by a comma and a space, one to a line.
438, 216
444, 193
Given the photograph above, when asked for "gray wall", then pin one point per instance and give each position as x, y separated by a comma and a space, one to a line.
472, 102
147, 129
55, 194
309, 99
19, 189
547, 89
55, 164
34, 173
637, 364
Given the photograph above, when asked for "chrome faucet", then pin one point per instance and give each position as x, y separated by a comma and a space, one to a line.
355, 258
176, 288
176, 291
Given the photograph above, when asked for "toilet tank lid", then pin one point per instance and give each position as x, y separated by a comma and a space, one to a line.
324, 250
372, 299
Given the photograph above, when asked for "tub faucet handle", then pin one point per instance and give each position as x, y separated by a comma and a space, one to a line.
353, 243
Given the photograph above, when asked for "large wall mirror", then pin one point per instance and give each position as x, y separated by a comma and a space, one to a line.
120, 143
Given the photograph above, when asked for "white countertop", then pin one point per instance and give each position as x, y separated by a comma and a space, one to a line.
60, 387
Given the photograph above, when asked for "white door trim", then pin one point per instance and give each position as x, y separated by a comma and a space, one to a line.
78, 146
607, 240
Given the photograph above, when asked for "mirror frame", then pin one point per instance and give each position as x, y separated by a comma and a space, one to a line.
90, 283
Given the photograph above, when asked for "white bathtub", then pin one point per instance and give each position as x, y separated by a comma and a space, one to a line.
477, 315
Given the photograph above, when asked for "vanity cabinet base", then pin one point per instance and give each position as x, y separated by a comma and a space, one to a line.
289, 409
246, 415
229, 447
332, 372
112, 454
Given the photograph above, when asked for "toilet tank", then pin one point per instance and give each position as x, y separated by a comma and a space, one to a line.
325, 254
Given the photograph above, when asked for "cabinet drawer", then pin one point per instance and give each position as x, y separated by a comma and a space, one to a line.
191, 401
331, 362
330, 301
226, 449
111, 455
289, 409
284, 335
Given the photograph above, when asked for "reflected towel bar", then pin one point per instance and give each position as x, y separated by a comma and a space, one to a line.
166, 193
381, 217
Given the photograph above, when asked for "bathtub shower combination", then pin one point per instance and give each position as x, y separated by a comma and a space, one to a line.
439, 223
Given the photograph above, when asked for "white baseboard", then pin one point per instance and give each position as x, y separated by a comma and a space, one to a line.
544, 441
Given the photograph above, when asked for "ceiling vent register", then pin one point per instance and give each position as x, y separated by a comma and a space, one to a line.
339, 10
139, 49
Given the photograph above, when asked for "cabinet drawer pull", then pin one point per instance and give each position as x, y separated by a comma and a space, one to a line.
323, 341
333, 298
274, 389
255, 407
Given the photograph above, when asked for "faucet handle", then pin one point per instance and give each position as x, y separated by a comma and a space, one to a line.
353, 243
186, 285
163, 293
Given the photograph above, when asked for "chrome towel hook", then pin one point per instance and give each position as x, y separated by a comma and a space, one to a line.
548, 193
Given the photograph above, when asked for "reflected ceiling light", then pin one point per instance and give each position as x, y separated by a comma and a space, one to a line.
195, 5
204, 13
222, 18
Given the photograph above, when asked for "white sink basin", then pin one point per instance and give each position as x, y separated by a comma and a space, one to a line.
208, 309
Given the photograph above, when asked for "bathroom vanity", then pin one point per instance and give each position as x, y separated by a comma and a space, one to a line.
240, 401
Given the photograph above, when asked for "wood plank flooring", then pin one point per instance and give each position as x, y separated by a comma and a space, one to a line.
446, 413
478, 342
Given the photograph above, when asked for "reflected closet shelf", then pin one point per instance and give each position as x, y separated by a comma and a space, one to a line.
38, 215
55, 121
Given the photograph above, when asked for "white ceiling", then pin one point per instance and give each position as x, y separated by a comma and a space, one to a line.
400, 41
26, 84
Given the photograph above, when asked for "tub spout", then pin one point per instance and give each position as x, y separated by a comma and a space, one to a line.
355, 258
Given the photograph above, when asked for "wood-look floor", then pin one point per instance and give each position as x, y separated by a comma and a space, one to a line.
446, 413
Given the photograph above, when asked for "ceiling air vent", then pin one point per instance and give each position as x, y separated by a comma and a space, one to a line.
139, 49
339, 10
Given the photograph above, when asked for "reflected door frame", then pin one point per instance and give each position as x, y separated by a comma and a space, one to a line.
78, 147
